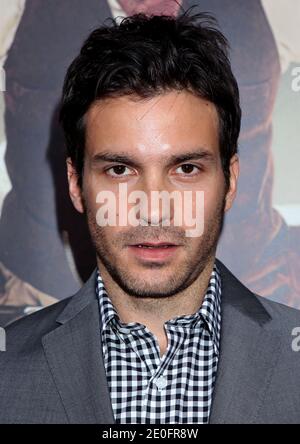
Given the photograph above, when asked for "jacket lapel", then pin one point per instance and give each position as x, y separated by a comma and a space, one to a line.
249, 350
74, 354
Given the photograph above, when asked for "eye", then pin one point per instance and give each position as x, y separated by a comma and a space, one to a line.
188, 169
118, 171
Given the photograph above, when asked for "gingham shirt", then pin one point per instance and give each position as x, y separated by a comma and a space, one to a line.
175, 388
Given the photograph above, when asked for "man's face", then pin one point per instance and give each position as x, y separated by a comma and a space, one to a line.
166, 143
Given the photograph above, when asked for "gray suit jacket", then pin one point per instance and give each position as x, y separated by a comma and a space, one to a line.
53, 370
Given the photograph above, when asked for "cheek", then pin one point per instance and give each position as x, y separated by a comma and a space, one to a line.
213, 199
91, 188
90, 202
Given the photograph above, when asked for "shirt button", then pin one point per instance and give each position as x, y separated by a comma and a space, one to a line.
161, 383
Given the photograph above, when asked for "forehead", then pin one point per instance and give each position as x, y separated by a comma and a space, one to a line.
168, 123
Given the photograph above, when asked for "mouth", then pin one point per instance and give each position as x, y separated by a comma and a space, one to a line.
153, 251
154, 245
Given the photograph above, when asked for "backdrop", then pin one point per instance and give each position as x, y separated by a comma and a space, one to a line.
45, 250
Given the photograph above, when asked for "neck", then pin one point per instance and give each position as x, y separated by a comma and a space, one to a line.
154, 312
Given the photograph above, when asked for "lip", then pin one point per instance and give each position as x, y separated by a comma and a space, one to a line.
159, 253
154, 244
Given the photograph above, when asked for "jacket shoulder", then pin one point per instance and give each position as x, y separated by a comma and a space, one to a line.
240, 295
33, 326
282, 314
25, 334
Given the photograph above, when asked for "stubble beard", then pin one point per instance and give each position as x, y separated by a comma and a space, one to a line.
109, 251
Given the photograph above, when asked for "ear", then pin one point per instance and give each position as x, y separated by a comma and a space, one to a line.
75, 191
234, 169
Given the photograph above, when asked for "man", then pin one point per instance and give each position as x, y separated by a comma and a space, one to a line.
162, 332
44, 244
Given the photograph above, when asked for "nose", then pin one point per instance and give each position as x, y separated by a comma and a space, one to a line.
157, 209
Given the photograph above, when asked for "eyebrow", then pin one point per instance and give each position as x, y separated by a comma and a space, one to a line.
125, 158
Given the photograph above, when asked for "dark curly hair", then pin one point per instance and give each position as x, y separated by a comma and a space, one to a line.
146, 55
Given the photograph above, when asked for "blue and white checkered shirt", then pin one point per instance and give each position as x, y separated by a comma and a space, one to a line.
175, 388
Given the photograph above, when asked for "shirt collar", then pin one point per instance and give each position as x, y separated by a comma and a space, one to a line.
209, 312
